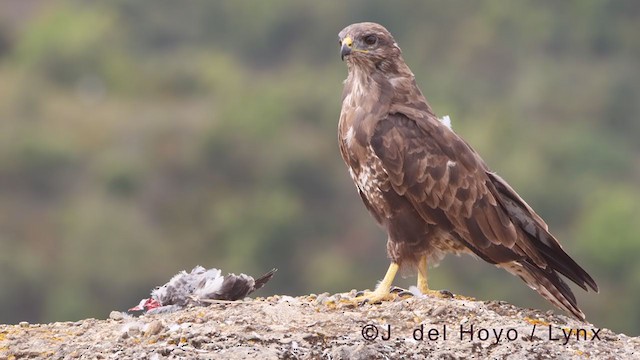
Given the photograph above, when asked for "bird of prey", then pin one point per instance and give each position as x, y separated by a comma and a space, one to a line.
199, 286
428, 188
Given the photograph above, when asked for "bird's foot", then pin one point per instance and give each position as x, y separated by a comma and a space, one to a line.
374, 297
413, 291
443, 294
401, 293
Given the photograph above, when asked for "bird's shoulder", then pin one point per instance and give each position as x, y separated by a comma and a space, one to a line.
423, 141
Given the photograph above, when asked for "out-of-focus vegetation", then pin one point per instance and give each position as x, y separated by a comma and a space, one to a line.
138, 138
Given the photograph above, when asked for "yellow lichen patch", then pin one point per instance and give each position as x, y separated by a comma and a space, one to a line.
533, 321
3, 335
330, 304
347, 303
582, 353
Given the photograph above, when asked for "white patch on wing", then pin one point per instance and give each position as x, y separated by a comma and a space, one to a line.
451, 163
446, 120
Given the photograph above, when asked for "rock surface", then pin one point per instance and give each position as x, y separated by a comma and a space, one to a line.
323, 327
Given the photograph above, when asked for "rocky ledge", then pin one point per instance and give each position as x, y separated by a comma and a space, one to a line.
323, 327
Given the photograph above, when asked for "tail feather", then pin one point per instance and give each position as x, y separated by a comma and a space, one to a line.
564, 264
237, 287
543, 277
548, 284
264, 279
538, 235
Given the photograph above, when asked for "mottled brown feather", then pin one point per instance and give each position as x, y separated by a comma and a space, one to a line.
427, 187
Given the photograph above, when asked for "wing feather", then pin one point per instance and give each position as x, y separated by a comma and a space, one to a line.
536, 229
436, 170
442, 176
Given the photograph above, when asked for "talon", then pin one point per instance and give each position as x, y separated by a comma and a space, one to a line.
404, 293
382, 291
446, 294
397, 290
375, 297
360, 293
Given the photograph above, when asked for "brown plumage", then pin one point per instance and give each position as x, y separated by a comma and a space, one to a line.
427, 187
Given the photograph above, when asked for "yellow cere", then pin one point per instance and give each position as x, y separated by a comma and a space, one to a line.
349, 42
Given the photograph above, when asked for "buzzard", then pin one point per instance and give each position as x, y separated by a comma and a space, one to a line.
428, 188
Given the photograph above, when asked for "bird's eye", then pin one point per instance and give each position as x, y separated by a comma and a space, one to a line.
370, 40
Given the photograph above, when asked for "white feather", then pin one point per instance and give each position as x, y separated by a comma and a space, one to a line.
446, 120
212, 285
416, 292
349, 137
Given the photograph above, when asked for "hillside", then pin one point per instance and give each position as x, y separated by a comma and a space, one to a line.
323, 327
138, 138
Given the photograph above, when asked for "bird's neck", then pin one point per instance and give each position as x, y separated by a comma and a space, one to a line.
392, 84
371, 94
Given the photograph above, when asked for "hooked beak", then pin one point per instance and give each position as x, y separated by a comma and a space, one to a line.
345, 48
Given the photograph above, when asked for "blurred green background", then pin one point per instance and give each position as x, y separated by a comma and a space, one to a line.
138, 138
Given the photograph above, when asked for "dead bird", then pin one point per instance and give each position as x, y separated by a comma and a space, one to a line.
197, 287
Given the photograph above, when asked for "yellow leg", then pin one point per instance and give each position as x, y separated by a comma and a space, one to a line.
382, 292
423, 285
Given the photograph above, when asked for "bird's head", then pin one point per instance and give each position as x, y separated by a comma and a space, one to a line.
146, 304
368, 45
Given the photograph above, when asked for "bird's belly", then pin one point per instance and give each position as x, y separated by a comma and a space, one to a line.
444, 243
410, 236
435, 244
